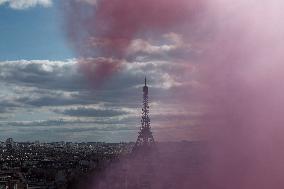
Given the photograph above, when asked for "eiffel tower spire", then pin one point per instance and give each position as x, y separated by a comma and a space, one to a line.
145, 138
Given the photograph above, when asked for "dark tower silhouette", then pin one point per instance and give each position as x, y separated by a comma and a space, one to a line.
145, 138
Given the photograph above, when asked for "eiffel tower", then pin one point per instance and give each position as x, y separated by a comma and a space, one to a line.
145, 138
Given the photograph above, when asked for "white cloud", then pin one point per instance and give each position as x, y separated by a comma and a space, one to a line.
90, 2
173, 41
139, 45
24, 4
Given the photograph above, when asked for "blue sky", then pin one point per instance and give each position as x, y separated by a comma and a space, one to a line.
34, 33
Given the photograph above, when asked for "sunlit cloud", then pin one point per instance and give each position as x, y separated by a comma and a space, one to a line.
25, 4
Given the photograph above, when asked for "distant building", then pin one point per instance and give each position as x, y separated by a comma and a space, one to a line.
10, 144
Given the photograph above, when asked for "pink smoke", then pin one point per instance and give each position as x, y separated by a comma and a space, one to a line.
101, 32
241, 71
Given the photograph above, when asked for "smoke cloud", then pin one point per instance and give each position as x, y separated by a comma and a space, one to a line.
240, 69
107, 33
243, 71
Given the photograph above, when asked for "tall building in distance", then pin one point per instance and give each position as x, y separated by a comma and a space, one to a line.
10, 144
145, 138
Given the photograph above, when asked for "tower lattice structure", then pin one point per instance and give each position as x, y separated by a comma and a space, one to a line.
145, 137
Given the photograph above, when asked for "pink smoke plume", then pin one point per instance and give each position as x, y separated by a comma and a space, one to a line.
101, 32
241, 71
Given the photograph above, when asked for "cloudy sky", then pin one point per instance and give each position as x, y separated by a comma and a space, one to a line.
47, 95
